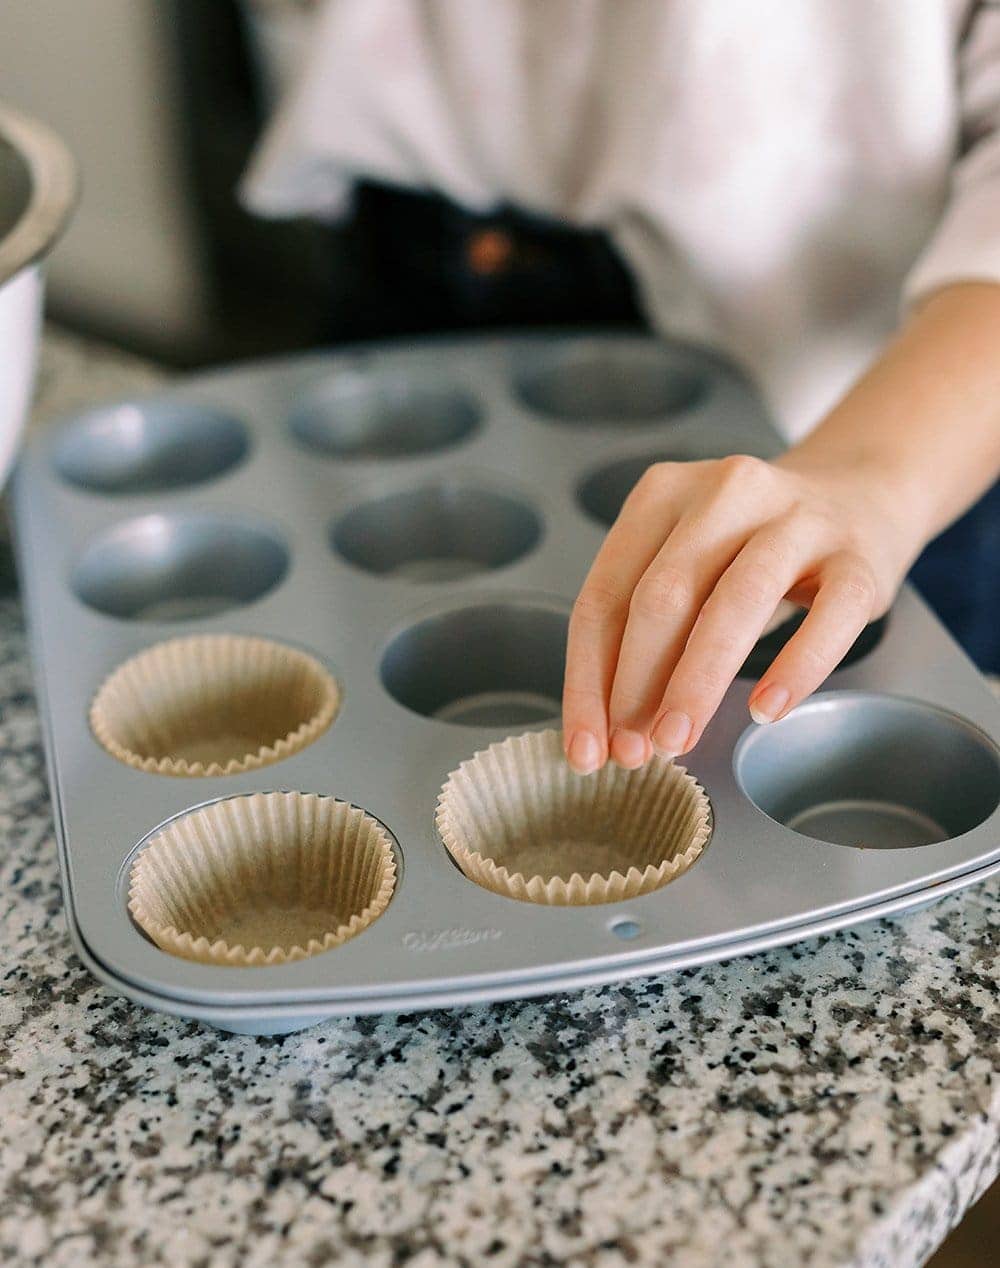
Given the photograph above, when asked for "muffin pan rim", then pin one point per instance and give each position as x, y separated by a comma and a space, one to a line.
282, 1016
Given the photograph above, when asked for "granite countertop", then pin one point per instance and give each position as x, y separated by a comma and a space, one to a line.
833, 1103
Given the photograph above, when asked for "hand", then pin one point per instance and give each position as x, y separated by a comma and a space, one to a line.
687, 579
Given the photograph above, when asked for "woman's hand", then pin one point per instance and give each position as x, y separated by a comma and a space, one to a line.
703, 552
689, 576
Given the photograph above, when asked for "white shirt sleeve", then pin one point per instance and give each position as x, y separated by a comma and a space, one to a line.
965, 247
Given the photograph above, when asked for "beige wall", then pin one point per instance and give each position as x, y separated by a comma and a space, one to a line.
99, 71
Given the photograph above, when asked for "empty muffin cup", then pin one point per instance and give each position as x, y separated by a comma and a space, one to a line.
264, 879
587, 382
872, 771
150, 447
181, 565
437, 532
213, 704
518, 821
358, 414
489, 664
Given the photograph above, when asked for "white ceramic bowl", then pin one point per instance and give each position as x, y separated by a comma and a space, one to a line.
38, 187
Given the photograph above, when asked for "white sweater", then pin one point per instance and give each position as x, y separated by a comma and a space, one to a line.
780, 175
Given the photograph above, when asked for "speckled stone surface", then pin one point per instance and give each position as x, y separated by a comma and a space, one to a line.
833, 1103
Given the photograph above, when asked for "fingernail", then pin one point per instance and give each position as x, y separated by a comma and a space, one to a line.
770, 704
584, 753
672, 734
628, 749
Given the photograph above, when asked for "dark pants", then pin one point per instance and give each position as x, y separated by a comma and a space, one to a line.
959, 575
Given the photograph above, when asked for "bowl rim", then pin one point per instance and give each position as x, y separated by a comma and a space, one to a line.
55, 185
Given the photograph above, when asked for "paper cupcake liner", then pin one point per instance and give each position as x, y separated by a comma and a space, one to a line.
263, 879
213, 705
520, 822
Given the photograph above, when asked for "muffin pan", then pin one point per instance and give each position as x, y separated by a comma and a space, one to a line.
415, 521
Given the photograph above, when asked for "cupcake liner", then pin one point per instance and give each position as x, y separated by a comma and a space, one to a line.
213, 705
520, 822
262, 879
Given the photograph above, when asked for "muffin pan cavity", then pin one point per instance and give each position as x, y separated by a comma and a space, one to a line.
439, 532
179, 566
149, 448
611, 382
495, 664
872, 771
356, 570
383, 415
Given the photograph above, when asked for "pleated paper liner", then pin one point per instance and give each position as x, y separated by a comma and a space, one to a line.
213, 705
520, 822
262, 879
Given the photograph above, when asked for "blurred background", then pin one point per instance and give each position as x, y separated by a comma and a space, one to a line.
162, 100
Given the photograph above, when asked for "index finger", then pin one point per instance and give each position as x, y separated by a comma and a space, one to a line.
598, 620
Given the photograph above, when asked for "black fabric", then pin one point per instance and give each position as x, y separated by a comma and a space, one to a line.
959, 575
418, 271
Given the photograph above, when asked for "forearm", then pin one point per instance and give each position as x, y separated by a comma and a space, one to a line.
924, 422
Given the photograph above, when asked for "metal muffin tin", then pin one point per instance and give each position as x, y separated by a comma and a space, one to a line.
420, 519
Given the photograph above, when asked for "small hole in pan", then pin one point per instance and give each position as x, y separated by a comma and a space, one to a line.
493, 664
871, 771
149, 447
626, 929
359, 415
440, 532
179, 567
605, 382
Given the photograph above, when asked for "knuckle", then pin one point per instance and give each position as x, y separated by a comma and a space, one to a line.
651, 484
743, 469
723, 647
657, 473
813, 658
661, 593
597, 602
802, 520
857, 584
702, 683
754, 587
